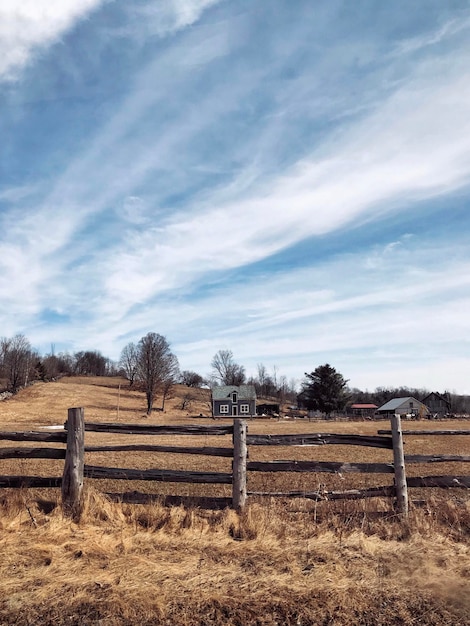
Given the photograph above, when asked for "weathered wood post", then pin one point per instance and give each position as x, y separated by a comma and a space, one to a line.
399, 465
239, 464
72, 478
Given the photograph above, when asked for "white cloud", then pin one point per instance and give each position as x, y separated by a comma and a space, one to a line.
163, 17
134, 210
411, 313
28, 26
142, 269
416, 145
442, 32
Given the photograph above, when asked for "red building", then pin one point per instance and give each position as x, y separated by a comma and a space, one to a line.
363, 410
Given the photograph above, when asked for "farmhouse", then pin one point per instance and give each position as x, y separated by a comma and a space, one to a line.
437, 404
230, 400
405, 407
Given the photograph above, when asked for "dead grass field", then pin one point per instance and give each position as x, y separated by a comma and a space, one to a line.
278, 563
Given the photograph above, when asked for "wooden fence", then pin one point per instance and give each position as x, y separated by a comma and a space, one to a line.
75, 469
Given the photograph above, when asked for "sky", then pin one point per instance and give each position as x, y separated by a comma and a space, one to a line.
289, 180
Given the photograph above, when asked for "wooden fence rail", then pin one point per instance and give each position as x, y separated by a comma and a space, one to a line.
75, 469
145, 429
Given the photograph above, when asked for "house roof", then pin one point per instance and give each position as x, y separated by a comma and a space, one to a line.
397, 402
437, 395
245, 392
363, 406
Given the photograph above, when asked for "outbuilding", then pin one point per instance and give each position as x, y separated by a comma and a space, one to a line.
407, 407
438, 404
363, 410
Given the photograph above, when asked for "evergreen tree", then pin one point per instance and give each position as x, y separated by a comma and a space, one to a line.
324, 390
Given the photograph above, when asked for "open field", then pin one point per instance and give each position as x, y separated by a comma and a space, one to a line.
293, 562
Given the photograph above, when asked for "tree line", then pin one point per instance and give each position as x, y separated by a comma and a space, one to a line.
150, 365
20, 364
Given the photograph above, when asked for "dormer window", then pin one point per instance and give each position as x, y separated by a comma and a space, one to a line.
234, 396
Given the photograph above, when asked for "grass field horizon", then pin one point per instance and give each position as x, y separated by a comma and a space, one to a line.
278, 562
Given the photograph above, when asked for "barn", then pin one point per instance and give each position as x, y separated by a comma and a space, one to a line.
438, 404
405, 407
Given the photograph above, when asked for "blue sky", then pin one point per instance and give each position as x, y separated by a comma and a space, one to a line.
286, 179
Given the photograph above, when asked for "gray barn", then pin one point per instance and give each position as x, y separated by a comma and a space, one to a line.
405, 407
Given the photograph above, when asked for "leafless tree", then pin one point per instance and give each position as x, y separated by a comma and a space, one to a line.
17, 361
128, 362
226, 370
91, 363
187, 400
191, 379
157, 367
170, 373
262, 379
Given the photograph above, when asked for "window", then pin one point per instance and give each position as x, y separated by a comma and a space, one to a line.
224, 408
244, 408
234, 396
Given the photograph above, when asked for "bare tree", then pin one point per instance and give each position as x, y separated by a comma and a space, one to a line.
128, 362
191, 379
187, 400
170, 373
16, 361
157, 367
262, 379
226, 370
91, 363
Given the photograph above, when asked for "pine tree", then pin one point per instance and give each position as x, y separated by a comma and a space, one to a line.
324, 390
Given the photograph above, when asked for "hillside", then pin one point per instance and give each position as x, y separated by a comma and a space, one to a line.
277, 563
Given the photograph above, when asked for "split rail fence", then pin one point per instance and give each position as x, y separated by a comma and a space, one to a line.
75, 469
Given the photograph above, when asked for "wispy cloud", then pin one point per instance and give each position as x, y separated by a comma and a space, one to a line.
442, 32
228, 148
162, 17
29, 26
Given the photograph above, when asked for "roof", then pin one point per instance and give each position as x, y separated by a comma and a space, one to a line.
245, 392
397, 402
363, 406
437, 395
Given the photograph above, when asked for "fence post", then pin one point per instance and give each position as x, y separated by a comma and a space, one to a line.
239, 464
399, 465
72, 478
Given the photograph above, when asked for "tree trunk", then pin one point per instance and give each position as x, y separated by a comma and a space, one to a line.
149, 396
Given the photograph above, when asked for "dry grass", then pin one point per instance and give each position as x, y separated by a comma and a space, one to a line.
156, 565
278, 563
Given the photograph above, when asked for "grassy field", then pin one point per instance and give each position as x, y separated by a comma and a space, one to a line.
280, 562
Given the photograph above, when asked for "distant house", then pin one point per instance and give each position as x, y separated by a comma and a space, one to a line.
406, 407
437, 404
233, 401
363, 410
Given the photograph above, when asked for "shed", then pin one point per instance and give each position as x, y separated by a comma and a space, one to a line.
265, 407
363, 410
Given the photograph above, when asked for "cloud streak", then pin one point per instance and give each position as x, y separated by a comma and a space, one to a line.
244, 188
